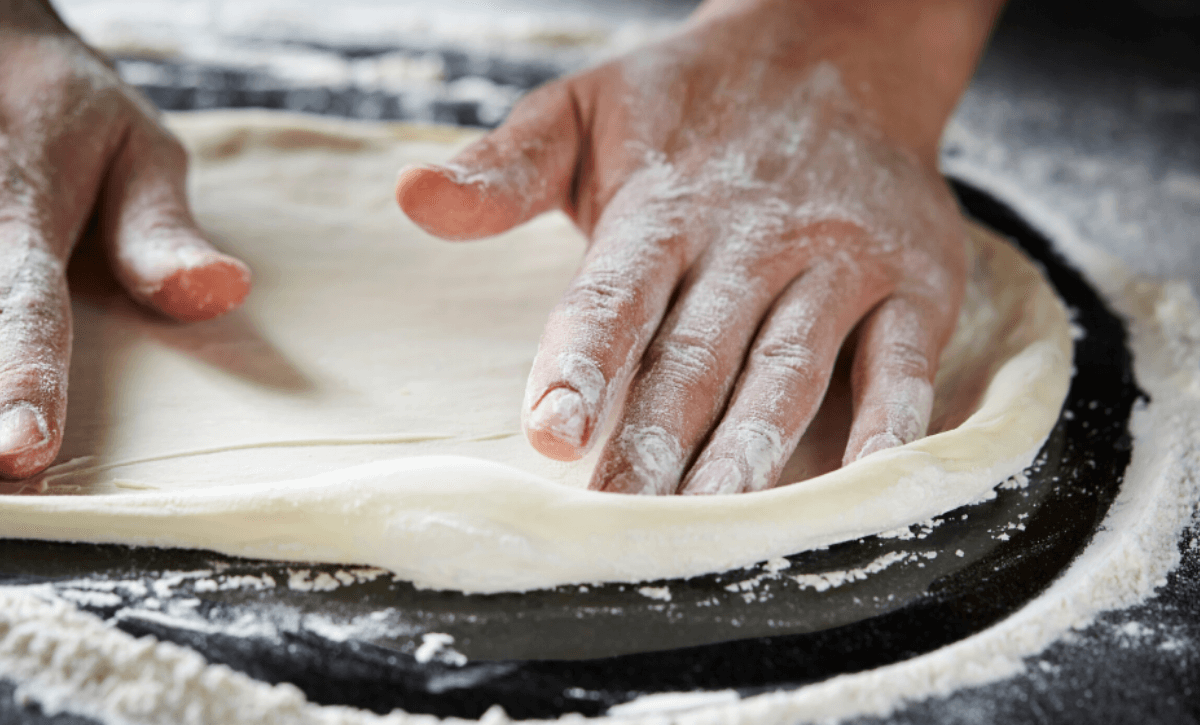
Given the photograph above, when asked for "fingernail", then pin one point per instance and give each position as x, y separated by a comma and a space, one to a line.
561, 413
21, 427
454, 173
420, 167
656, 460
715, 477
410, 189
879, 442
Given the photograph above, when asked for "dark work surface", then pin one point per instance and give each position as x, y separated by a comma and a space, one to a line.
1114, 75
583, 649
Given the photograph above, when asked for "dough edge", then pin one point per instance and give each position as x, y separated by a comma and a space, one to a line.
475, 526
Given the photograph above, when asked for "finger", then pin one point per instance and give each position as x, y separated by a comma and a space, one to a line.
892, 378
684, 381
158, 253
523, 168
783, 381
35, 336
598, 331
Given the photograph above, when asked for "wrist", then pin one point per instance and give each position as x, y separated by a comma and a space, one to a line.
910, 62
906, 62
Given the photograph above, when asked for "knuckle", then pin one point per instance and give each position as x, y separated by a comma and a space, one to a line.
32, 330
789, 358
906, 358
936, 285
602, 296
19, 224
23, 188
688, 357
39, 377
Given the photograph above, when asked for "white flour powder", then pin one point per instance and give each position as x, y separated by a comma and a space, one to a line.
69, 661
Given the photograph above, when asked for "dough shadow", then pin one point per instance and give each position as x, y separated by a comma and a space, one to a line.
824, 442
107, 325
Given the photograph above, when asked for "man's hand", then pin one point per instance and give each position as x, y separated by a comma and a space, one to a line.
78, 146
754, 189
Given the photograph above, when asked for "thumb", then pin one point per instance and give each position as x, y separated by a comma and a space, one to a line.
158, 253
523, 168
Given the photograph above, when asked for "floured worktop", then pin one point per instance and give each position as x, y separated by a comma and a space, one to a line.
1099, 148
363, 407
41, 641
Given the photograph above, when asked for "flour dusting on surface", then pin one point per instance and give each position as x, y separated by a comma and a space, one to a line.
44, 642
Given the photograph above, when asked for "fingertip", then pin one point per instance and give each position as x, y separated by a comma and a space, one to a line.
416, 183
901, 418
27, 444
719, 476
558, 426
874, 444
629, 483
550, 446
640, 460
204, 289
436, 200
614, 476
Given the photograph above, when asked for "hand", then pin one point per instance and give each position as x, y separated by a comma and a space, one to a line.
79, 147
754, 188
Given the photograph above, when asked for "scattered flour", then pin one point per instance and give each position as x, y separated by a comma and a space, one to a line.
266, 581
67, 660
1016, 483
774, 566
435, 647
662, 594
302, 580
175, 602
93, 599
832, 580
919, 530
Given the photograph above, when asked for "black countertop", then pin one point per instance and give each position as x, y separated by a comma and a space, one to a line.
1096, 112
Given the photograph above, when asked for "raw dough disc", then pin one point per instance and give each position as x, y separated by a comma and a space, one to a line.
364, 406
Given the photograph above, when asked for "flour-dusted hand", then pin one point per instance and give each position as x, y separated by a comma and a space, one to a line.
79, 147
754, 189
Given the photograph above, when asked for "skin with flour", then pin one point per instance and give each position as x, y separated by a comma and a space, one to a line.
363, 460
754, 188
81, 154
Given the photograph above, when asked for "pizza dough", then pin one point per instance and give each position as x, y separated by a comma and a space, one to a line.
364, 406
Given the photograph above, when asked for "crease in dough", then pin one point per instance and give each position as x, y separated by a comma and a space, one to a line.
364, 440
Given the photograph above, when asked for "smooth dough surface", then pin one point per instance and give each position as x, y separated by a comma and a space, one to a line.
364, 406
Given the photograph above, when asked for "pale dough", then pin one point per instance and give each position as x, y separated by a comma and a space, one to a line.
364, 406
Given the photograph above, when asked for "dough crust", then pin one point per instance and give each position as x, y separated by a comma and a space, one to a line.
364, 406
